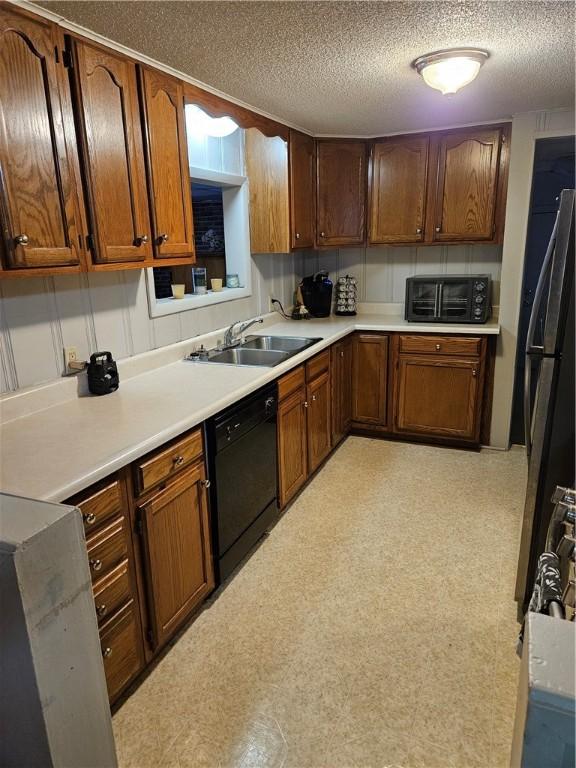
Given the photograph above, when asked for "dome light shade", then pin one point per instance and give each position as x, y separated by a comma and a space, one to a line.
448, 71
200, 123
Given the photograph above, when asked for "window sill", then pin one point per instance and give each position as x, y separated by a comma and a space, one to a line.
170, 306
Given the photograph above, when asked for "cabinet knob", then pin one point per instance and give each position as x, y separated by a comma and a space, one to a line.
90, 518
162, 239
141, 240
418, 230
341, 353
206, 483
305, 403
96, 565
297, 235
438, 347
314, 398
438, 229
178, 461
322, 234
106, 652
474, 372
101, 609
21, 240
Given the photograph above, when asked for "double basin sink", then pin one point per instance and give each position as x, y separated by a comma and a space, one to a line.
266, 351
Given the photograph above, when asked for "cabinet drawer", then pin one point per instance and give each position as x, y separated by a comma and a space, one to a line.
441, 345
107, 548
318, 365
291, 382
120, 650
100, 506
161, 465
112, 591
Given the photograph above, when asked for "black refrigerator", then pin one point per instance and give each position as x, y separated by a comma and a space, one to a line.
549, 393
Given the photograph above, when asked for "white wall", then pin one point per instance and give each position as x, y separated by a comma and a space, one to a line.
382, 271
526, 128
40, 316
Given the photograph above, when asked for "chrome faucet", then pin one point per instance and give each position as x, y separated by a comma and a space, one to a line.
232, 338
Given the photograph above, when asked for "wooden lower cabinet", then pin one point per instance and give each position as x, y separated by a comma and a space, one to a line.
341, 375
318, 422
121, 643
292, 445
370, 379
177, 551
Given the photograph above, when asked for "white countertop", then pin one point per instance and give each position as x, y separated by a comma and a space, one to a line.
56, 452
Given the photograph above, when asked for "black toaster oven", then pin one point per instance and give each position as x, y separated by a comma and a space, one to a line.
448, 298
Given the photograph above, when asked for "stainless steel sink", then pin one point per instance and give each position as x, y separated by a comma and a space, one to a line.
243, 356
291, 344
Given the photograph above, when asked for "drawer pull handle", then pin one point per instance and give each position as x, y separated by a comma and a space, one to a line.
178, 461
438, 347
21, 240
106, 652
101, 609
96, 564
90, 518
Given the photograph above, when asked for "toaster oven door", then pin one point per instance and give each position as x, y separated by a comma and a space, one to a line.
455, 301
423, 299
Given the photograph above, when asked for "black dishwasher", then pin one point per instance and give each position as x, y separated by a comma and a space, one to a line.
243, 471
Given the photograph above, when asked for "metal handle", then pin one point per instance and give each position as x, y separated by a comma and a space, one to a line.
314, 398
341, 353
474, 372
21, 239
141, 240
206, 483
101, 609
297, 235
96, 564
438, 229
178, 461
322, 234
437, 301
106, 652
530, 349
305, 403
90, 518
418, 230
162, 239
438, 347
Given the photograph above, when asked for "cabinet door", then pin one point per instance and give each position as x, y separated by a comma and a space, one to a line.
341, 192
267, 170
302, 190
370, 379
466, 194
168, 171
292, 453
178, 557
399, 172
113, 155
438, 396
39, 205
341, 373
318, 420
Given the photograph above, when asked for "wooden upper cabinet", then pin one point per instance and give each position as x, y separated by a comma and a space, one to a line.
399, 171
113, 155
39, 204
177, 551
167, 157
467, 186
302, 190
341, 192
267, 171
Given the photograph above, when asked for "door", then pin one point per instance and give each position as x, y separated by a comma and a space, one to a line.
341, 192
168, 171
318, 420
292, 445
177, 551
438, 396
370, 379
302, 190
467, 186
39, 205
113, 155
341, 372
399, 171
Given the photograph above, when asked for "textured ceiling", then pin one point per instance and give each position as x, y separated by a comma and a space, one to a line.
343, 68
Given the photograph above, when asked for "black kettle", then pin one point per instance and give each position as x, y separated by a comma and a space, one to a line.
103, 375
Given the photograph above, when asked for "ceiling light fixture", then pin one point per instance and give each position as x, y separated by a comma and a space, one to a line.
200, 123
450, 70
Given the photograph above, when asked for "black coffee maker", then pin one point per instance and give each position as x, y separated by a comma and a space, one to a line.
317, 294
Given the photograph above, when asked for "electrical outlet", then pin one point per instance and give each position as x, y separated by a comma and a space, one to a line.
70, 356
271, 301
